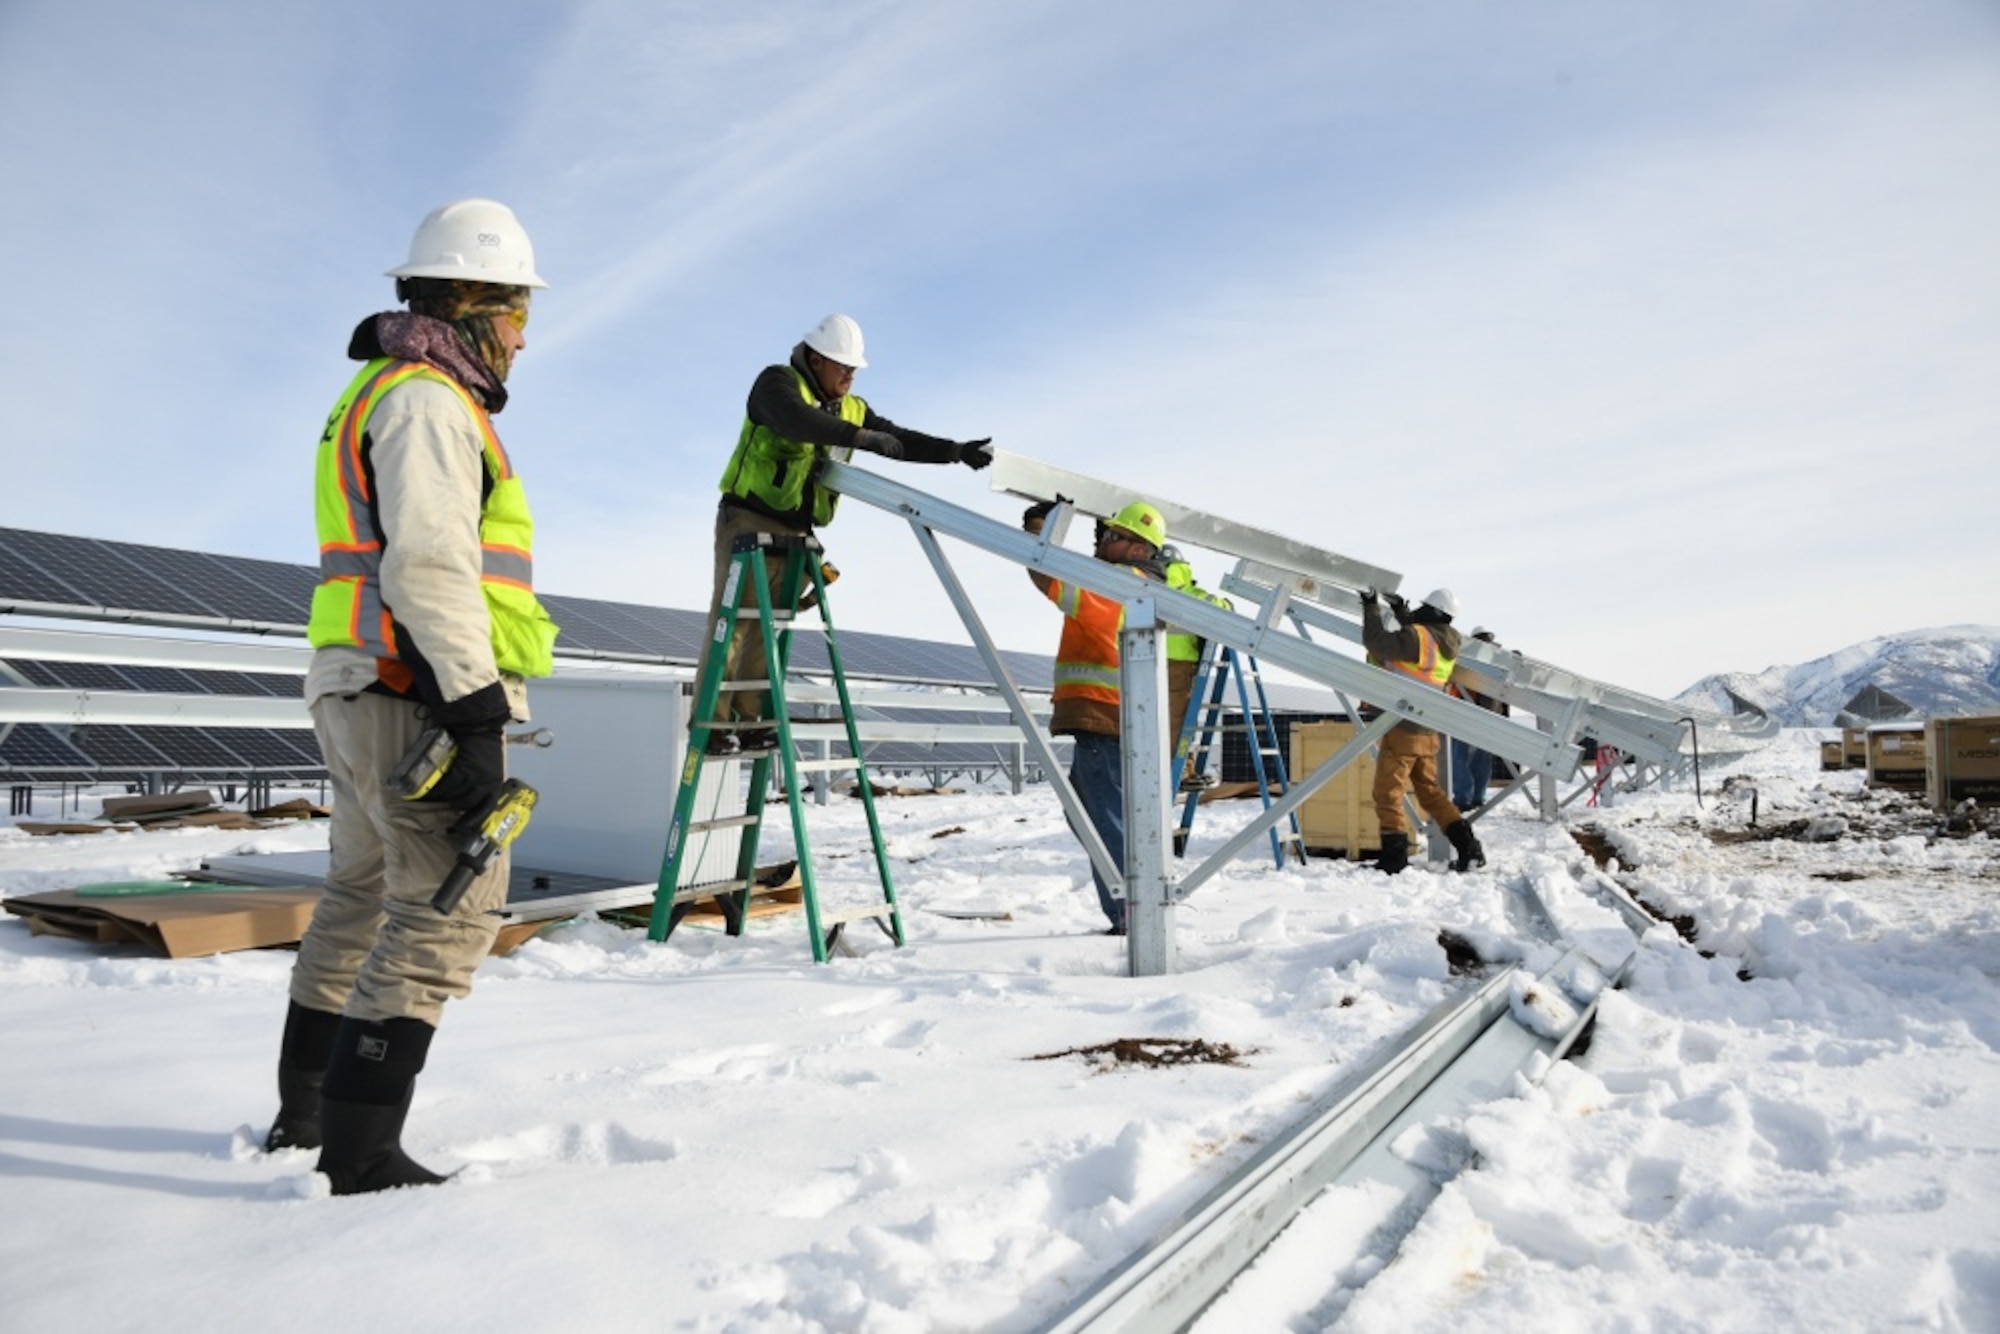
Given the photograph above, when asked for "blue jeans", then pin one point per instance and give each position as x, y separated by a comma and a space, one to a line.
1470, 771
1097, 772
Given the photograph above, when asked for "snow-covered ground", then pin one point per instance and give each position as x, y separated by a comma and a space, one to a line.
1798, 1131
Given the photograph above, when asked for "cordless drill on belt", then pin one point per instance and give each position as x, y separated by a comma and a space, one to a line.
479, 834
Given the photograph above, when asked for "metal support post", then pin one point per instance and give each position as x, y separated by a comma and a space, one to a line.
1142, 699
1031, 733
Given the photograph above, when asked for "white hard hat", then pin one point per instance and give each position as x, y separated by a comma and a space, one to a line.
838, 338
473, 239
1444, 600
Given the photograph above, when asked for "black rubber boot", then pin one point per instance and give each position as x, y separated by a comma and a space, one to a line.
302, 1061
1395, 854
1466, 844
364, 1102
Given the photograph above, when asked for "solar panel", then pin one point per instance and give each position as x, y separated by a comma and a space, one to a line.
113, 746
289, 588
220, 681
269, 748
205, 582
580, 628
652, 629
191, 747
86, 573
33, 746
22, 579
73, 675
105, 579
162, 680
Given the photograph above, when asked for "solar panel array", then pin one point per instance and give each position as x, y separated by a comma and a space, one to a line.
55, 574
58, 575
38, 752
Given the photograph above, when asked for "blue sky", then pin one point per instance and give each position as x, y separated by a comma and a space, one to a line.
1665, 333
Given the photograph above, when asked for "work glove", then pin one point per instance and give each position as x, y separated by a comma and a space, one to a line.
879, 442
1033, 516
479, 768
976, 454
1370, 600
1398, 605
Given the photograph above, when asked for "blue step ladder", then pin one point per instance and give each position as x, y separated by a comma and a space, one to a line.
1204, 725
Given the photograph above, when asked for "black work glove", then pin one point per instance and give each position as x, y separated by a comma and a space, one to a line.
976, 454
1397, 605
879, 442
1033, 516
1370, 600
479, 768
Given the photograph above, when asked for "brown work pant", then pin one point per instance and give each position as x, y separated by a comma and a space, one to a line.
376, 948
1180, 689
1408, 758
746, 660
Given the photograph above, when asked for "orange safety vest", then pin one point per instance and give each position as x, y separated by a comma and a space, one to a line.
1087, 656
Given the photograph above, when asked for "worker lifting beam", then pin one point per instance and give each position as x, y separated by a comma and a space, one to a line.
1150, 897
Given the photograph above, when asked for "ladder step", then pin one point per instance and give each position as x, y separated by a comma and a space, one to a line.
725, 822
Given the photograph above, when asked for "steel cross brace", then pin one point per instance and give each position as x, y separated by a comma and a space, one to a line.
1149, 896
1662, 725
1489, 668
1389, 691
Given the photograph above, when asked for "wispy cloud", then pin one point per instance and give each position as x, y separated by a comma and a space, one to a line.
1597, 313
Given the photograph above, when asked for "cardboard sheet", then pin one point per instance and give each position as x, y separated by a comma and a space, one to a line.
178, 925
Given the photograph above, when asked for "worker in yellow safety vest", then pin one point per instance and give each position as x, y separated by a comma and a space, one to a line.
1086, 696
1423, 646
424, 617
800, 414
1183, 664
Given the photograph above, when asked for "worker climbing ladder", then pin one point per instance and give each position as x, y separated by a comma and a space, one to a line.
750, 593
1203, 725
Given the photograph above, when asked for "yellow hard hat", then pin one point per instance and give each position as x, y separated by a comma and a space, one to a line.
1141, 521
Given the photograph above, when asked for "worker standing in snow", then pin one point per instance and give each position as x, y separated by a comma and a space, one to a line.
1423, 646
424, 616
1086, 696
799, 415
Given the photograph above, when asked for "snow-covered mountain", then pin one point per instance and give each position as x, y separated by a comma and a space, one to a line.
1951, 670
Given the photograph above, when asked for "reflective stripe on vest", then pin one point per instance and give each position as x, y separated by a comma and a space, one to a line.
1431, 666
347, 607
778, 473
1087, 658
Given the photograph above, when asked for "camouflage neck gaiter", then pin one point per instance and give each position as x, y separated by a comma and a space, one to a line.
469, 308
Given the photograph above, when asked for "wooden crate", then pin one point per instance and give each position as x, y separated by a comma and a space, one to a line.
1962, 760
1340, 817
1854, 747
1832, 755
1897, 756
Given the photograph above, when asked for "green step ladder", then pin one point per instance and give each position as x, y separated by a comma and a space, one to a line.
800, 585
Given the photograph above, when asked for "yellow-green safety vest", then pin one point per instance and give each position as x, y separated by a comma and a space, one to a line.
347, 607
776, 472
1182, 647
